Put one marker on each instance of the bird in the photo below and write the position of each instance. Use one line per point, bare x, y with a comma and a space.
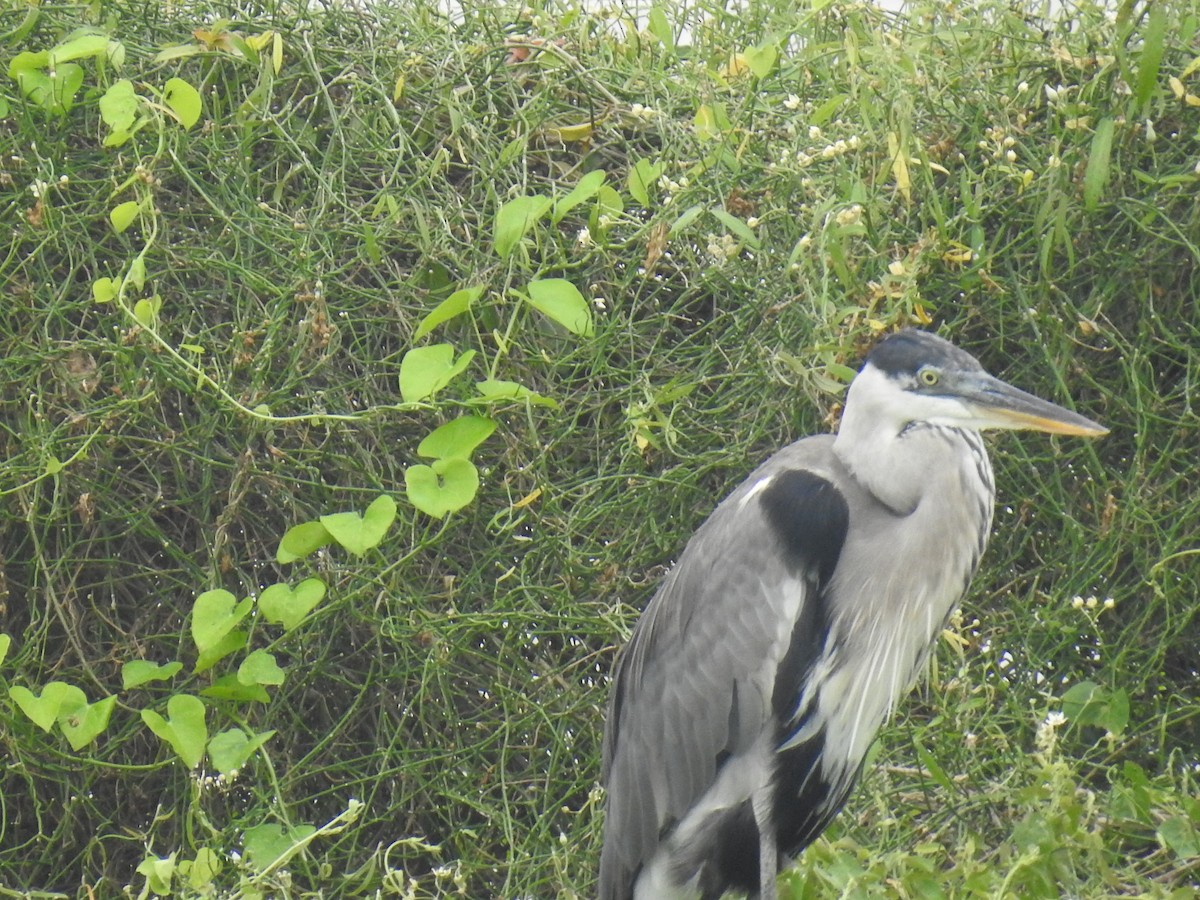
798, 614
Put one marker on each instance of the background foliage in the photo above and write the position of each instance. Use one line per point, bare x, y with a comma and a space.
228, 230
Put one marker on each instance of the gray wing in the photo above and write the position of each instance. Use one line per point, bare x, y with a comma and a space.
699, 682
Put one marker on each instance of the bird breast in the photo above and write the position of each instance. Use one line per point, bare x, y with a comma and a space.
898, 579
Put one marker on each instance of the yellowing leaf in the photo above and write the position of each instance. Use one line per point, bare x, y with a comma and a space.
529, 498
736, 67
958, 254
569, 133
260, 41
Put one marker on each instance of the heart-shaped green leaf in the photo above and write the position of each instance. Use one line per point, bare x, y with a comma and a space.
426, 370
444, 487
183, 100
227, 687
269, 844
761, 60
457, 438
104, 290
119, 105
302, 540
558, 299
85, 724
58, 699
184, 727
514, 219
287, 606
229, 750
260, 668
137, 672
358, 534
214, 615
454, 305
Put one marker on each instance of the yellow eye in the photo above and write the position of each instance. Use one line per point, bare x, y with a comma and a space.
929, 377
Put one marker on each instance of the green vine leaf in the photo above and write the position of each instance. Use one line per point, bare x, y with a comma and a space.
445, 486
183, 729
229, 750
454, 305
459, 437
358, 534
137, 672
183, 100
284, 605
426, 370
561, 301
301, 540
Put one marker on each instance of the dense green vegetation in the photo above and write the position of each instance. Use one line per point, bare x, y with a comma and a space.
644, 259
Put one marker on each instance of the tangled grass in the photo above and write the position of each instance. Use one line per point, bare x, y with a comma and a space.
806, 181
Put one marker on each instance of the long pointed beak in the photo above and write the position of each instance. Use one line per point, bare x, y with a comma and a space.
1000, 405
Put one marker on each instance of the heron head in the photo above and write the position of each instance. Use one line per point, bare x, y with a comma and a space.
915, 376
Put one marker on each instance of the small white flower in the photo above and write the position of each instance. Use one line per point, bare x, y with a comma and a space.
1010, 155
1151, 136
1022, 87
814, 133
752, 222
792, 102
584, 237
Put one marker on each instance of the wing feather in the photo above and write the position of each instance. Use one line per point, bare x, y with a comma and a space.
697, 685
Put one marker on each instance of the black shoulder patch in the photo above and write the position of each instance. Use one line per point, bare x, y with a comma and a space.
810, 517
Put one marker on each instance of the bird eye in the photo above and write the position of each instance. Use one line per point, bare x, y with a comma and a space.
929, 377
